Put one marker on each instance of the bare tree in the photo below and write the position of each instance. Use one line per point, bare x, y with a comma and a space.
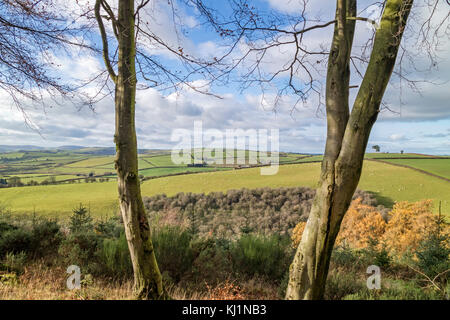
347, 130
30, 32
134, 42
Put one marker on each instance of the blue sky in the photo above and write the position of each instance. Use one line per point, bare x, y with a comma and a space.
420, 122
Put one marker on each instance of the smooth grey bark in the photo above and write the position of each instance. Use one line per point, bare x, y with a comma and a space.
147, 277
347, 136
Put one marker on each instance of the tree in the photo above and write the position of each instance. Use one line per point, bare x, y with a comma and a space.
81, 220
347, 138
376, 148
30, 31
147, 277
134, 40
347, 130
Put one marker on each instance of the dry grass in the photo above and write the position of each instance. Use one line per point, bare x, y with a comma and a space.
39, 282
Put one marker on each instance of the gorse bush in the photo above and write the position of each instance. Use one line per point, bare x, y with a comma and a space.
409, 223
38, 238
341, 284
45, 236
173, 251
115, 257
15, 240
259, 255
212, 261
80, 249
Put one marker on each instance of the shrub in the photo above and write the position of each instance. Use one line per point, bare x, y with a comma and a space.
265, 256
297, 233
45, 236
433, 254
115, 256
397, 290
377, 254
5, 227
173, 251
15, 262
360, 224
211, 260
109, 228
341, 284
15, 240
80, 249
409, 223
81, 220
346, 257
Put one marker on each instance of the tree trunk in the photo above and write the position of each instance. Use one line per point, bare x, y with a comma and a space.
147, 277
347, 138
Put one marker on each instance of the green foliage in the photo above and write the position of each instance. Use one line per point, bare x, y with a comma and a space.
15, 262
211, 260
15, 240
8, 279
115, 256
340, 284
45, 236
259, 255
80, 249
344, 256
5, 227
173, 251
397, 290
109, 228
377, 255
434, 254
37, 239
81, 220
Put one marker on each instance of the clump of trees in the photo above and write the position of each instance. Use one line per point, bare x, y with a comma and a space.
234, 213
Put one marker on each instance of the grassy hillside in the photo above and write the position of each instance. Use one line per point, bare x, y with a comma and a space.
388, 183
440, 167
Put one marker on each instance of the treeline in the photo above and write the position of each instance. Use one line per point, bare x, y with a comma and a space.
13, 182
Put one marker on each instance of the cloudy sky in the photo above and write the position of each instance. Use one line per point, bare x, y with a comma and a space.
414, 122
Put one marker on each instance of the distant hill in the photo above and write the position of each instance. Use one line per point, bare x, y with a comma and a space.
69, 147
100, 151
5, 148
108, 151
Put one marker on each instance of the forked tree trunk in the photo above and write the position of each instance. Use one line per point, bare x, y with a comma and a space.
147, 277
347, 137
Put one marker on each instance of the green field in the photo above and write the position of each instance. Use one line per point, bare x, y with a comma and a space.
77, 164
440, 167
388, 183
92, 162
395, 155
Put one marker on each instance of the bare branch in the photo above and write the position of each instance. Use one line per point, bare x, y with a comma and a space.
103, 34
